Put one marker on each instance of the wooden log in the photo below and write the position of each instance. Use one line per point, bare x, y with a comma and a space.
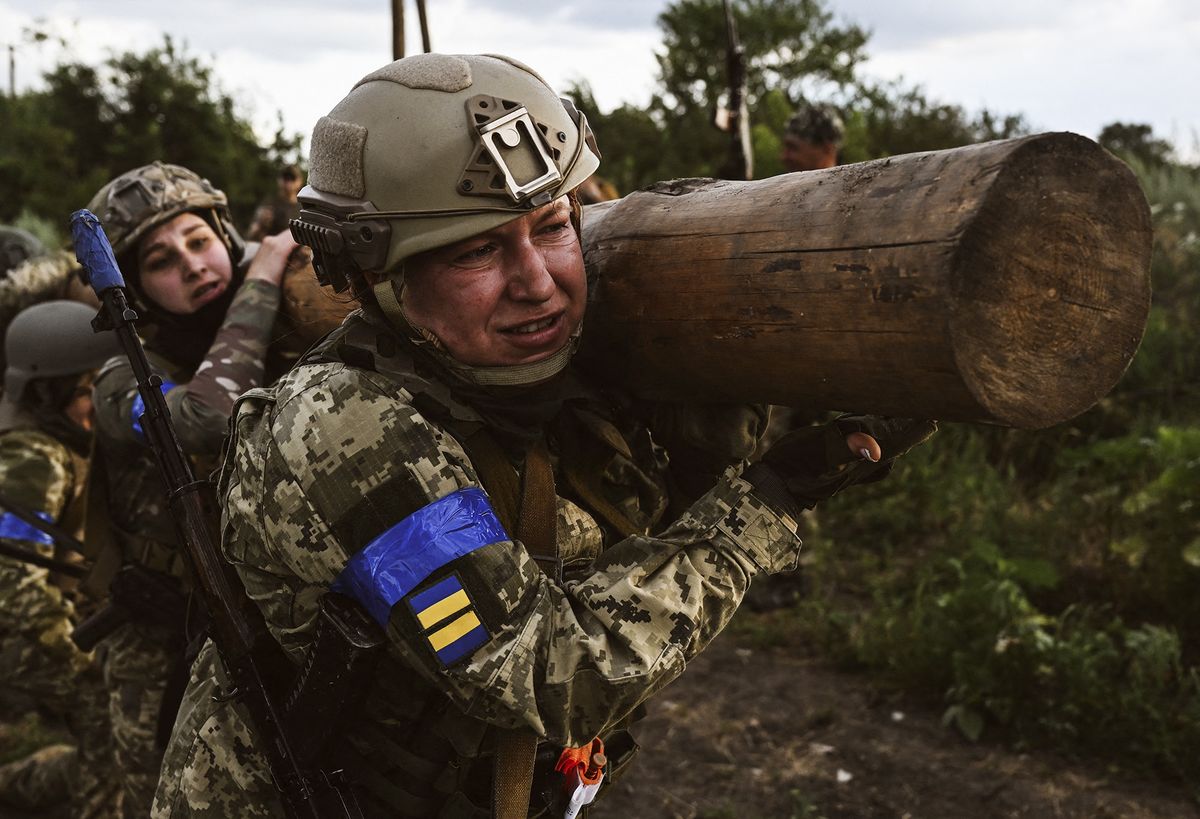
1006, 282
307, 311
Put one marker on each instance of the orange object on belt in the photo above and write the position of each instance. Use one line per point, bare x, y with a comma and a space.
586, 761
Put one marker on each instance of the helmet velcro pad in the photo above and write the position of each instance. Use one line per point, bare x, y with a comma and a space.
336, 163
431, 72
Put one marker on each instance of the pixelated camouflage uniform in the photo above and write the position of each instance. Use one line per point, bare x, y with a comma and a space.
140, 656
37, 656
338, 454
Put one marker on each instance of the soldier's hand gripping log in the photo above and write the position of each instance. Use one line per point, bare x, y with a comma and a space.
261, 674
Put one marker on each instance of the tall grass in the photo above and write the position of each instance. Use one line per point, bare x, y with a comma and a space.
1044, 586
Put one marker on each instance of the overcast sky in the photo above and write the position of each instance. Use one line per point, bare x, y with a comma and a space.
1066, 64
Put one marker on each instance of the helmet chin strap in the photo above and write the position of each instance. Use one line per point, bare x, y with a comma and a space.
389, 296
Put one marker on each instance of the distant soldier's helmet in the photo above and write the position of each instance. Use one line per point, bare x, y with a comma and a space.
52, 339
433, 149
140, 200
16, 246
817, 124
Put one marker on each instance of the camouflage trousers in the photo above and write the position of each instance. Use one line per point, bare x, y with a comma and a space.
137, 665
212, 769
39, 661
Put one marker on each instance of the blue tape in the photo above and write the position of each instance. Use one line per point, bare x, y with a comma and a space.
139, 409
396, 562
13, 528
94, 252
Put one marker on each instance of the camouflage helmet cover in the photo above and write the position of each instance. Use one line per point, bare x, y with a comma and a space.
51, 339
817, 123
16, 246
141, 199
433, 149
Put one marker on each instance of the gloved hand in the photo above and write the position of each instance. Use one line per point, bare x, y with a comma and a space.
816, 463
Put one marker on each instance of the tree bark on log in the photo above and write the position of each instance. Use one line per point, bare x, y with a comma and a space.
1005, 282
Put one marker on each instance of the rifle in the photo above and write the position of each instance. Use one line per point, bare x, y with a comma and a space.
739, 163
292, 713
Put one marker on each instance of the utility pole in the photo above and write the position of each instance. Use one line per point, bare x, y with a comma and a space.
398, 28
12, 71
424, 26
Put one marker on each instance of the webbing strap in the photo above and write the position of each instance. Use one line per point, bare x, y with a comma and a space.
535, 514
497, 475
536, 526
512, 779
97, 528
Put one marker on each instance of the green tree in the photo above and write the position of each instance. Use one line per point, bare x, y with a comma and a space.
887, 119
1138, 141
91, 123
795, 50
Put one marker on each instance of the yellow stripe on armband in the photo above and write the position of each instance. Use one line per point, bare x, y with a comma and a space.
445, 636
443, 608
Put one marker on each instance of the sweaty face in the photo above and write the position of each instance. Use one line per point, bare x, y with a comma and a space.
511, 295
183, 265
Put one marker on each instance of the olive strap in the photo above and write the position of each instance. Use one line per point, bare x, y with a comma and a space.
536, 527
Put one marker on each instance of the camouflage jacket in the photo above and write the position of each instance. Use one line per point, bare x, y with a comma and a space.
43, 475
200, 404
350, 474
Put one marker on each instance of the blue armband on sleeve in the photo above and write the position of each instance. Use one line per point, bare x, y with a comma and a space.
399, 559
13, 528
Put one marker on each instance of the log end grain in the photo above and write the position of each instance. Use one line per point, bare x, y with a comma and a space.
1052, 286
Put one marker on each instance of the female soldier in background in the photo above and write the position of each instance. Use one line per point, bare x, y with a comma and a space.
46, 424
207, 304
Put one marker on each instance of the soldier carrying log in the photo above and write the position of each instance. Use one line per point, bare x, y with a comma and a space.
441, 460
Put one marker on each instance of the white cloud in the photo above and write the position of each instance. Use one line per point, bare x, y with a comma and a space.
300, 58
1069, 64
1077, 67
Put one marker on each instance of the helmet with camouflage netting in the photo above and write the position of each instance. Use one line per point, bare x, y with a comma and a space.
16, 246
433, 149
52, 339
137, 201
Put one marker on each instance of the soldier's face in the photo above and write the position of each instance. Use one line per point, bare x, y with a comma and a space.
801, 155
512, 295
183, 265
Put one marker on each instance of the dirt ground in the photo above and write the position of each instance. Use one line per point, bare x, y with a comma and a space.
755, 733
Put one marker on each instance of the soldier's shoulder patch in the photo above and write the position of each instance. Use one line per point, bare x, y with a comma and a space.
448, 620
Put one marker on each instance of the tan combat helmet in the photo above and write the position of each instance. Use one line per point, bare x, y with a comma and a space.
139, 200
430, 150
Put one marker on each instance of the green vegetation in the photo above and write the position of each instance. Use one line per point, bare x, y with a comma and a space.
794, 51
91, 123
1042, 585
1039, 585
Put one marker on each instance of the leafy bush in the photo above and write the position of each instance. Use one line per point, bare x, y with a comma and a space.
1042, 586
